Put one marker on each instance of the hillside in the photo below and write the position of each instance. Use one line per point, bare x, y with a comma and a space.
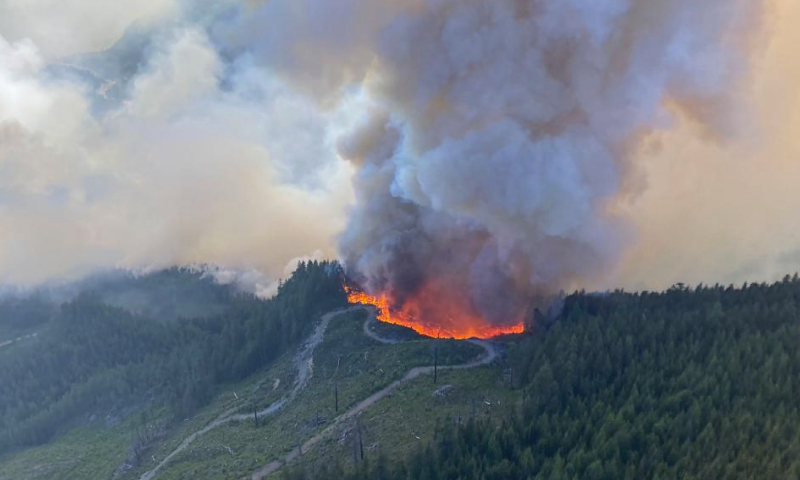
94, 356
687, 383
148, 411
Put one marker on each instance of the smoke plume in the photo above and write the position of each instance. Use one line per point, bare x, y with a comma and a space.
500, 134
497, 149
156, 151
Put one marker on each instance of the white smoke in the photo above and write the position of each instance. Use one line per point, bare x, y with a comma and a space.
507, 129
494, 141
68, 27
192, 163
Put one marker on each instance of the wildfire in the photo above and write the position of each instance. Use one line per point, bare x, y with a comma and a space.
438, 308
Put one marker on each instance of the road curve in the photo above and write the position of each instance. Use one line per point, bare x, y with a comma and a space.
487, 358
371, 334
6, 343
304, 361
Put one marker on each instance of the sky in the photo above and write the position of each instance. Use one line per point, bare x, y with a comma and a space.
727, 212
146, 134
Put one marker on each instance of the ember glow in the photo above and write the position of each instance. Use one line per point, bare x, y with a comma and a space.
434, 313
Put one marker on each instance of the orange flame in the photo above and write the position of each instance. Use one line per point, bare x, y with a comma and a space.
438, 305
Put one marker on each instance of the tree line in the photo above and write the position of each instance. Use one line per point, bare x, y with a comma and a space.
93, 356
690, 383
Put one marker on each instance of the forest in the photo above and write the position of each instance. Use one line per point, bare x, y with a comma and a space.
690, 383
97, 350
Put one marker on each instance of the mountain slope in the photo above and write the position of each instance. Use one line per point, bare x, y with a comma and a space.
689, 383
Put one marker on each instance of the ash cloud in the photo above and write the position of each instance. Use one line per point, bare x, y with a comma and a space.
494, 147
501, 134
156, 149
517, 122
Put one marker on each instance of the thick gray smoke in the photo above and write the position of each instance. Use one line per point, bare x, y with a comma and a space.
501, 133
493, 142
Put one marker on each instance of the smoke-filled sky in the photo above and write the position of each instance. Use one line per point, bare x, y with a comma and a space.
631, 143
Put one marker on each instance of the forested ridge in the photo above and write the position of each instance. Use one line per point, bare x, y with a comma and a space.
93, 355
691, 383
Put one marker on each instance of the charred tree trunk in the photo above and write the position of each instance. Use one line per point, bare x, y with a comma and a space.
355, 450
255, 413
336, 385
436, 363
360, 439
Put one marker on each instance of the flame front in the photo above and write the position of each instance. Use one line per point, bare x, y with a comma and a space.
445, 320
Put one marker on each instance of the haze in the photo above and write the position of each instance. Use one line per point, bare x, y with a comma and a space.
165, 151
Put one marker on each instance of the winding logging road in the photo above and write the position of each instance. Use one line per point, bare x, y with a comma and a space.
18, 339
304, 362
487, 358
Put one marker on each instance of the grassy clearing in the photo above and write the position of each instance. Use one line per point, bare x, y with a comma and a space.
92, 451
265, 387
409, 415
393, 332
358, 365
346, 359
95, 450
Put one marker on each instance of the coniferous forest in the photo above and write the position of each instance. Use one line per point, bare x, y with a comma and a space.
691, 383
98, 349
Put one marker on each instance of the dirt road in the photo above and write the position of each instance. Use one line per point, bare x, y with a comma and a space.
371, 320
18, 339
304, 362
487, 358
